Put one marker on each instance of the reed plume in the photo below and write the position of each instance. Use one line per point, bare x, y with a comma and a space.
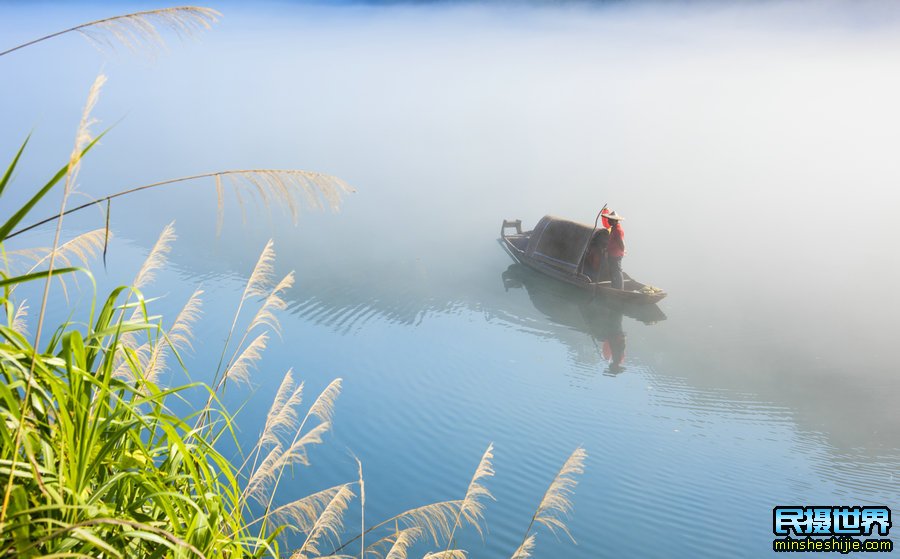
401, 542
556, 503
136, 357
525, 549
141, 29
282, 416
394, 545
273, 302
19, 321
261, 276
297, 453
301, 515
435, 519
263, 482
257, 485
138, 29
472, 509
132, 358
83, 137
81, 249
290, 188
78, 250
323, 407
181, 333
265, 315
446, 554
328, 525
177, 339
240, 370
157, 257
441, 520
256, 285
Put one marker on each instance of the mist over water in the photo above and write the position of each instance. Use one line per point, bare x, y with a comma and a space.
752, 149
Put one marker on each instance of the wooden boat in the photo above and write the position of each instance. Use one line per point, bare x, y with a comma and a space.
557, 247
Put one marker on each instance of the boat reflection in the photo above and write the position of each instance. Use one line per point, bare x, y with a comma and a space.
574, 309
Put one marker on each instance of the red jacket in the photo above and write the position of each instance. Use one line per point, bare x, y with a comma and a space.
616, 244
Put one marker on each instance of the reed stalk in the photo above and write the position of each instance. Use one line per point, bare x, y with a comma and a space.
291, 179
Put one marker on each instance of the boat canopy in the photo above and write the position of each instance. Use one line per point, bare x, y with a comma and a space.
559, 242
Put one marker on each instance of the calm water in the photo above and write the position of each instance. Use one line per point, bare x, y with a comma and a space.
752, 150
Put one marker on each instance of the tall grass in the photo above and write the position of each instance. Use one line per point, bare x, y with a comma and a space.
94, 459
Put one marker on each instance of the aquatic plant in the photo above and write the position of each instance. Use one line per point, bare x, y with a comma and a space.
556, 503
94, 458
138, 31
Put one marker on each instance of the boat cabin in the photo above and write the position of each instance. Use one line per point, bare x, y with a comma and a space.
563, 244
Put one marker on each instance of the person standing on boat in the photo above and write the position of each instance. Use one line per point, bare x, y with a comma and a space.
615, 249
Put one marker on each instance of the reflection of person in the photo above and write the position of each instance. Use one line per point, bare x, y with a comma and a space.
614, 345
614, 352
615, 249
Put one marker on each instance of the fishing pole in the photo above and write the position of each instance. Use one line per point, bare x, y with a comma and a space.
596, 221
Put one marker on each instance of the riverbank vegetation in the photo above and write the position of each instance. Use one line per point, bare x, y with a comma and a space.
94, 459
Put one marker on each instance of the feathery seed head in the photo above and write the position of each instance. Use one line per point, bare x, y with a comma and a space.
446, 554
301, 515
261, 277
329, 524
556, 504
141, 30
156, 259
240, 370
524, 551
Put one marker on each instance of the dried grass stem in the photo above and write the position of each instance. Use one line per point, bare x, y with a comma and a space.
331, 187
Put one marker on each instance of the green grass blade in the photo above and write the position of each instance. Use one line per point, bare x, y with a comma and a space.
7, 227
23, 211
8, 174
38, 275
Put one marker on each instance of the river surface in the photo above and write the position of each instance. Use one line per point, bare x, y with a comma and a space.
752, 150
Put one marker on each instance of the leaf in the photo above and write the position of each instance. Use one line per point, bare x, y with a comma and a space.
12, 166
38, 275
23, 211
96, 541
20, 529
